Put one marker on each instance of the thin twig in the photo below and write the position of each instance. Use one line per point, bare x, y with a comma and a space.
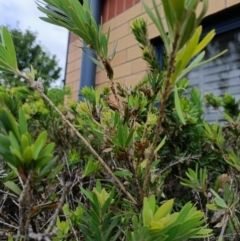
119, 102
235, 222
43, 236
25, 205
110, 74
9, 225
59, 207
73, 230
146, 125
6, 218
9, 194
133, 169
223, 227
182, 159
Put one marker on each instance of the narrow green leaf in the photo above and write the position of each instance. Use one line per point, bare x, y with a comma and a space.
49, 20
39, 143
13, 187
205, 41
56, 18
94, 43
22, 122
116, 119
178, 7
79, 21
48, 168
114, 51
188, 52
130, 138
183, 214
112, 229
170, 16
160, 145
47, 150
191, 224
147, 216
28, 155
158, 23
5, 56
97, 133
193, 174
187, 29
91, 167
120, 135
125, 135
107, 203
24, 142
197, 59
213, 207
4, 141
152, 203
163, 210
103, 44
178, 69
88, 194
203, 12
14, 141
124, 173
42, 161
108, 33
190, 68
99, 64
218, 200
7, 41
178, 107
5, 67
228, 118
9, 123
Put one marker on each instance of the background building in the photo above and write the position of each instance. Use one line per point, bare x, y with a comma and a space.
219, 77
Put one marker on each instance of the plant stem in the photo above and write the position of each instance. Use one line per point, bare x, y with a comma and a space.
60, 205
135, 177
146, 126
87, 144
25, 205
165, 96
114, 91
113, 88
235, 223
223, 228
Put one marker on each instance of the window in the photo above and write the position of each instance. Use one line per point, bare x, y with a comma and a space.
223, 74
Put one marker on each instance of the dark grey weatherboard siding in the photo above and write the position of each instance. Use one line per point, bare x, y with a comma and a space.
222, 75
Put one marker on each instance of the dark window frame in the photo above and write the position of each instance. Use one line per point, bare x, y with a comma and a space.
223, 21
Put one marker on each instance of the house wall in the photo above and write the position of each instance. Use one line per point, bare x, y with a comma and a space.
128, 66
74, 60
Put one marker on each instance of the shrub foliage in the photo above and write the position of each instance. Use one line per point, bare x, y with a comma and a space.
129, 163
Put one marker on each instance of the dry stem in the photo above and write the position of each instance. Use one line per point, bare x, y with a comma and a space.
234, 222
114, 90
25, 205
60, 205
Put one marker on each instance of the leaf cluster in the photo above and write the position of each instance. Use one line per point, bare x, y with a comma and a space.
141, 141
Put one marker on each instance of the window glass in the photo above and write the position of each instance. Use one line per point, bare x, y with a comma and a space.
221, 75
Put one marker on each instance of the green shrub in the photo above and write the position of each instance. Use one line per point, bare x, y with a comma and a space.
110, 170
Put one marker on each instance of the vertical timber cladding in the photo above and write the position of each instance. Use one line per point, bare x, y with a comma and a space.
128, 66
